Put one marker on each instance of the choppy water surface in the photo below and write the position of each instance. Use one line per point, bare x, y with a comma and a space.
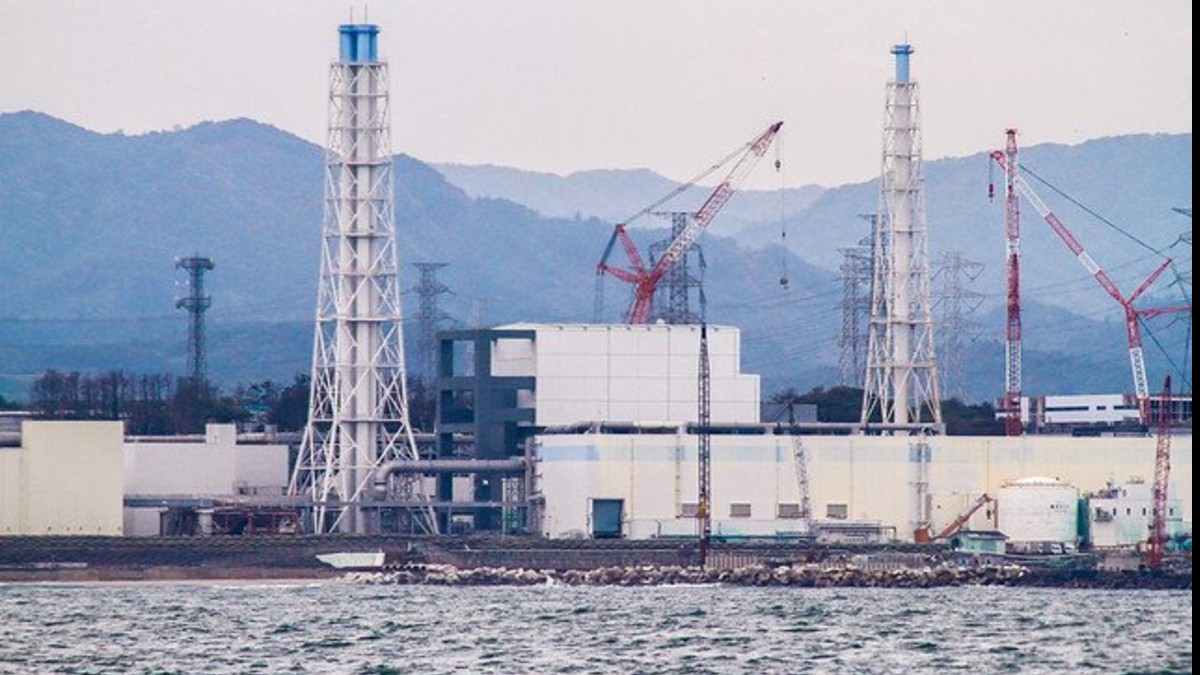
361, 630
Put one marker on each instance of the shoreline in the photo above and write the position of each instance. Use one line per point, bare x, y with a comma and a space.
165, 574
795, 576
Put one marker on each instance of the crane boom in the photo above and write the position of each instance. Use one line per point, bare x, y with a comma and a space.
1162, 470
645, 281
1133, 315
1012, 331
963, 517
717, 200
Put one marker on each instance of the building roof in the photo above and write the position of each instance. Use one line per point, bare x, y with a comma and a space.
981, 534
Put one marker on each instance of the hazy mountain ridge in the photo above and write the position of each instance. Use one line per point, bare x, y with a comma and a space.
91, 225
1133, 181
616, 194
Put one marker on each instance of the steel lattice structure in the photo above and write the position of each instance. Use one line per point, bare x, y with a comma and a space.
855, 307
429, 317
679, 281
954, 304
1134, 315
704, 450
358, 409
1012, 276
196, 303
901, 378
645, 280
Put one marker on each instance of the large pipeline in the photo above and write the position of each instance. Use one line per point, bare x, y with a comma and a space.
515, 465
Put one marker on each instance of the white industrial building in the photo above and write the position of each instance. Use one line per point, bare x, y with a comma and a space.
84, 478
64, 478
652, 478
626, 373
1119, 515
170, 472
1073, 411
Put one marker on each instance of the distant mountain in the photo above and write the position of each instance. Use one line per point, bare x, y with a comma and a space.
1132, 181
616, 194
91, 225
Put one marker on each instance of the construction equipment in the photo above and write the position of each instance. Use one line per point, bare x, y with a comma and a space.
1012, 251
1133, 315
957, 524
801, 455
704, 440
645, 280
1162, 470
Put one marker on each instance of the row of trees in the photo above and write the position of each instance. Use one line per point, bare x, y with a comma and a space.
844, 404
160, 403
165, 404
157, 403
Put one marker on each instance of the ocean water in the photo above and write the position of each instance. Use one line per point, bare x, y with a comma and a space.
330, 627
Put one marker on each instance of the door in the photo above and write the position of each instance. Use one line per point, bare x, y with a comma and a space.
606, 518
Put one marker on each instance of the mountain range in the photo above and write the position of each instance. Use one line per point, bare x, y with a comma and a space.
1131, 181
91, 225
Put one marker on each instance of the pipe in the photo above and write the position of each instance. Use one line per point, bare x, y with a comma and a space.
515, 465
727, 427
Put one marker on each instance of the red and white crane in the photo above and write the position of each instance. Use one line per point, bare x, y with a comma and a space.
645, 280
1012, 327
962, 518
1133, 314
1162, 470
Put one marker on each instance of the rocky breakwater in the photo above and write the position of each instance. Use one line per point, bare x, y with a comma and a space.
802, 576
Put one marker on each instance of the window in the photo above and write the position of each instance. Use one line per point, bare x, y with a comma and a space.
788, 510
739, 510
689, 510
837, 511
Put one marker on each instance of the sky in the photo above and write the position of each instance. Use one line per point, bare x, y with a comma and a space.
567, 85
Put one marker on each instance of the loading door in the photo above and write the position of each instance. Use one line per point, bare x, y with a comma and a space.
606, 518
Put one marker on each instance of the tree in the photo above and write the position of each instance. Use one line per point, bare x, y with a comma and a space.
6, 404
289, 409
970, 420
422, 404
839, 404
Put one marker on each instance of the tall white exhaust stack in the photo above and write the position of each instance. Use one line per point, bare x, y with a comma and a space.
901, 385
358, 409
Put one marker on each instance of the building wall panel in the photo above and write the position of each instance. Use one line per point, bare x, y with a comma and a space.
871, 476
10, 491
72, 478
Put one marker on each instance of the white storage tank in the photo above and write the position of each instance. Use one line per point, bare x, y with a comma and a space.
1038, 509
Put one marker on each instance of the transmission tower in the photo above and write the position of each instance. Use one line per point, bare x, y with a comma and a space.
855, 307
673, 299
429, 316
954, 306
901, 378
196, 303
358, 409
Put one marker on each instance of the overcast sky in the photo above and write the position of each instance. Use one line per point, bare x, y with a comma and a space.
560, 86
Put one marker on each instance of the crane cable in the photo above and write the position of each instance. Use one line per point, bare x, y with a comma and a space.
1026, 170
688, 185
1158, 252
783, 250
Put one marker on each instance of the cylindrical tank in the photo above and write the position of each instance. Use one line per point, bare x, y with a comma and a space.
1038, 509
